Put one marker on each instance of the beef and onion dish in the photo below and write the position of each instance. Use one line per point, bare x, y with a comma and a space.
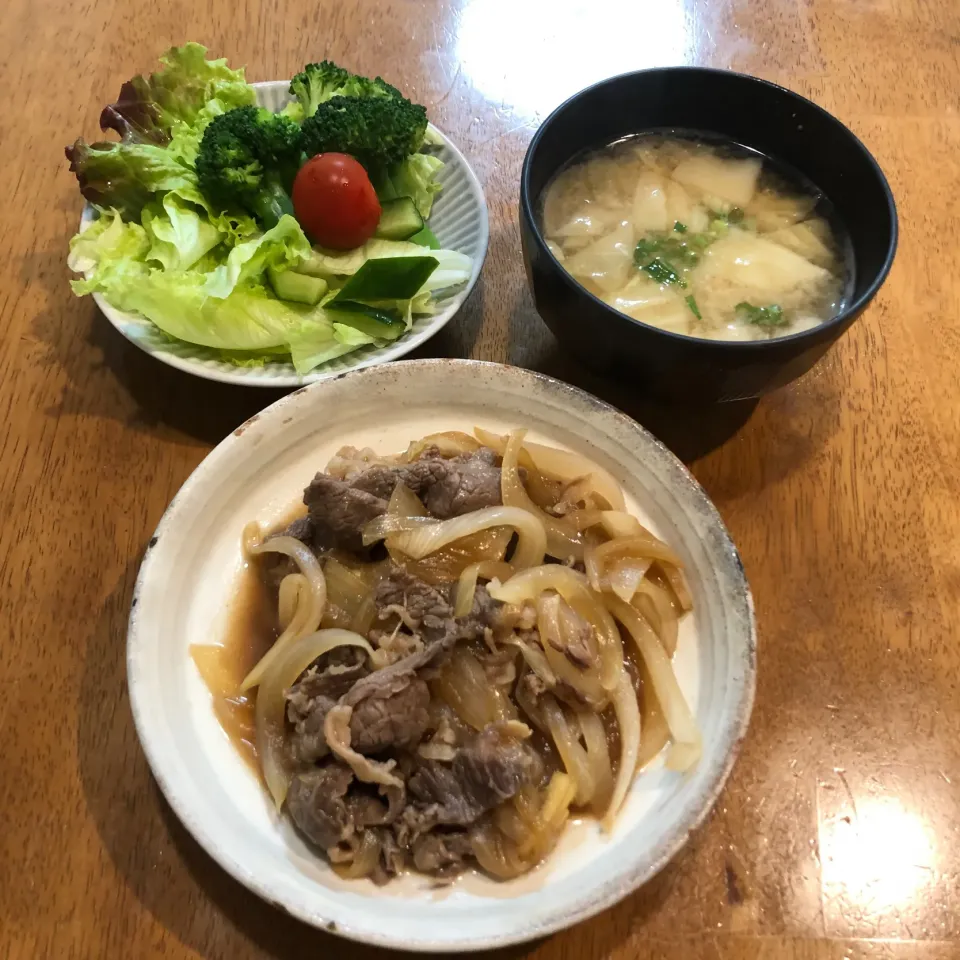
452, 651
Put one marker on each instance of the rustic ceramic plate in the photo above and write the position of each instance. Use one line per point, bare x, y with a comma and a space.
186, 583
459, 220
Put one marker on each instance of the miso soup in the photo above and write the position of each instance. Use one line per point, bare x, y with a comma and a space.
698, 237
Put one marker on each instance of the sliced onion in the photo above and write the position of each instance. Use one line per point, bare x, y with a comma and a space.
572, 626
528, 705
579, 490
363, 618
655, 733
450, 443
529, 552
574, 757
364, 860
595, 575
652, 601
292, 587
678, 584
535, 660
372, 573
344, 851
584, 682
598, 754
344, 588
628, 720
583, 519
311, 598
572, 586
463, 685
528, 584
562, 465
512, 825
563, 542
543, 492
382, 527
467, 584
535, 819
449, 562
546, 820
348, 461
625, 576
272, 703
516, 729
618, 523
560, 793
466, 590
683, 726
644, 547
528, 803
405, 503
497, 854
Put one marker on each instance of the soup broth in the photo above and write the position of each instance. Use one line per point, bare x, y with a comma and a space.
696, 237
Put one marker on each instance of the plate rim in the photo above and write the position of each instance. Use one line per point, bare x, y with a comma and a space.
601, 897
249, 376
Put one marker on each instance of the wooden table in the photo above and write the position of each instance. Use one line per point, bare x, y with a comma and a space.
838, 835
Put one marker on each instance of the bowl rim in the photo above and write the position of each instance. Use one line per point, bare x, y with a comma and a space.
599, 898
254, 376
845, 316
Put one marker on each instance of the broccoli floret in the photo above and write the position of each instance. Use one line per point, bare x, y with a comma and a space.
378, 131
248, 158
319, 82
346, 113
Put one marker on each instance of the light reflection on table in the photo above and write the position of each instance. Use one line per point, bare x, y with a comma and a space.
879, 857
499, 44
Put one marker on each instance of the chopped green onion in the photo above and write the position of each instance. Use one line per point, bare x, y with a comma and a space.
680, 227
769, 317
691, 302
662, 272
645, 249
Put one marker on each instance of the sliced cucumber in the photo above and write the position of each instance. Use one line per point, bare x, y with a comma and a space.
388, 278
368, 320
426, 238
399, 219
297, 287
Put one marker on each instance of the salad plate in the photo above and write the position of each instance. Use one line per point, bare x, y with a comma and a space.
458, 219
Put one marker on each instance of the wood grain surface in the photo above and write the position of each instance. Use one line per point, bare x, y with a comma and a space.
838, 835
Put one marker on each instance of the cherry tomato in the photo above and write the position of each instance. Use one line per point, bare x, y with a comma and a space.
335, 202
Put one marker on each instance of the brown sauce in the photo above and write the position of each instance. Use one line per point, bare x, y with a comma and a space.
250, 632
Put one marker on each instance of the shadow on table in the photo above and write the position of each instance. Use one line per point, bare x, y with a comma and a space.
159, 398
690, 431
77, 337
163, 396
171, 875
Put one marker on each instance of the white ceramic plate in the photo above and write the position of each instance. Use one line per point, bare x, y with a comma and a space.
186, 582
459, 220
